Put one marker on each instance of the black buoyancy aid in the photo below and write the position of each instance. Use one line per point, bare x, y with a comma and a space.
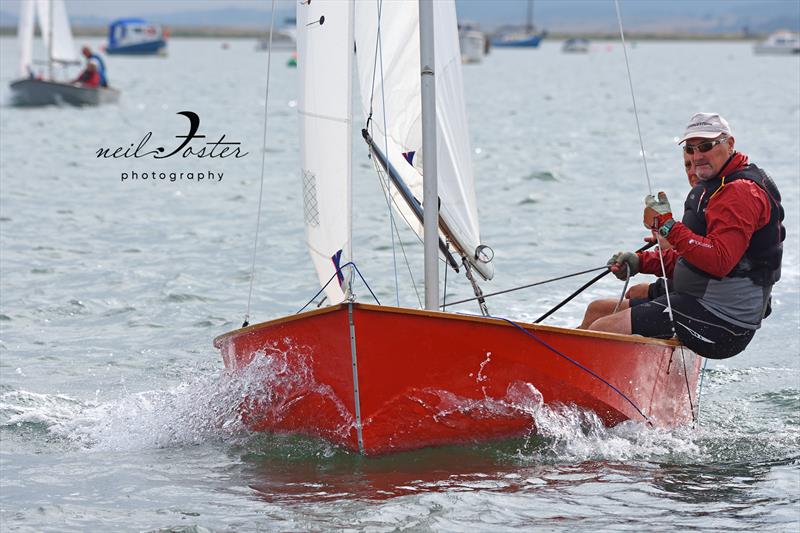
762, 259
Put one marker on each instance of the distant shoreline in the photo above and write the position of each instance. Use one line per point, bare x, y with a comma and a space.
252, 33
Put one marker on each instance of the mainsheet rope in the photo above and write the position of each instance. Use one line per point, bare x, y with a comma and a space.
263, 166
650, 190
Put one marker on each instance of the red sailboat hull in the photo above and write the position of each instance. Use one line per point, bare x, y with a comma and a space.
379, 379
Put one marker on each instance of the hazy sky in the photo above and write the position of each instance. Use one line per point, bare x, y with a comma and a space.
548, 13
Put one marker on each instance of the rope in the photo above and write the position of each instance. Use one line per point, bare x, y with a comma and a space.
700, 392
392, 224
688, 388
576, 363
644, 156
529, 285
650, 189
383, 181
263, 165
633, 97
624, 288
333, 277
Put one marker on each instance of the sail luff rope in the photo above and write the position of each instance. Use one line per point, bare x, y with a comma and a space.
263, 166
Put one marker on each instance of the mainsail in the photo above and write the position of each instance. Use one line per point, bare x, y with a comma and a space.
63, 46
27, 20
324, 57
390, 92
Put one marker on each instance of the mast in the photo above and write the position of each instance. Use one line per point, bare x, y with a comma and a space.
430, 199
529, 26
50, 41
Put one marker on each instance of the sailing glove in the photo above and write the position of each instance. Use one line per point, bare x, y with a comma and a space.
625, 262
656, 211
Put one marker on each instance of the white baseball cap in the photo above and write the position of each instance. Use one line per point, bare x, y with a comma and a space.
706, 126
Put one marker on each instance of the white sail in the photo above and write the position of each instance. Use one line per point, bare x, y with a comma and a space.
397, 72
27, 19
325, 61
63, 46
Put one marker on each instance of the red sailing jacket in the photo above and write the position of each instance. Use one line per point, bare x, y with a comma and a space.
736, 211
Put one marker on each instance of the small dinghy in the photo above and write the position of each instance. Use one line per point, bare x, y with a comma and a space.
377, 379
33, 90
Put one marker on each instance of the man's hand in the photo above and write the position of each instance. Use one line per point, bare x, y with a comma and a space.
624, 264
656, 211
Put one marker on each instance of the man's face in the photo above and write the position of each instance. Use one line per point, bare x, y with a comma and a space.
708, 164
688, 164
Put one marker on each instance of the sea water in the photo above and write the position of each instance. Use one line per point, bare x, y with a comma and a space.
116, 413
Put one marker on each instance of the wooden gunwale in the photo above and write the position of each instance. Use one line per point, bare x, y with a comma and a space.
450, 316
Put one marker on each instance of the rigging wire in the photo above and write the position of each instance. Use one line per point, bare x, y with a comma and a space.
393, 225
383, 181
624, 290
263, 166
644, 158
604, 267
650, 190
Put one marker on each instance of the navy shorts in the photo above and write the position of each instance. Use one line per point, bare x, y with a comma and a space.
697, 328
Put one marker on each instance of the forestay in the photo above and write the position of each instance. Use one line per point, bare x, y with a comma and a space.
390, 90
325, 52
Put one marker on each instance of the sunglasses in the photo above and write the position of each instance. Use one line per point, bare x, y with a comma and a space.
703, 147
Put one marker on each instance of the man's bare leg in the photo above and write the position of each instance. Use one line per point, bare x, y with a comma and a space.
600, 308
619, 322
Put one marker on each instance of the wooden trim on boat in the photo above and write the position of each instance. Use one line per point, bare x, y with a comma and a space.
538, 327
290, 318
451, 316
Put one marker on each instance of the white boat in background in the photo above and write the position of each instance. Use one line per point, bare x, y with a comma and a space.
34, 89
576, 45
284, 38
472, 42
779, 43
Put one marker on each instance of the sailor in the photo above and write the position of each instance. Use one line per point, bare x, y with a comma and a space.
99, 64
90, 77
723, 258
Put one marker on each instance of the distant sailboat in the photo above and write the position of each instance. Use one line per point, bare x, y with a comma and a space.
576, 45
526, 37
136, 37
472, 42
33, 90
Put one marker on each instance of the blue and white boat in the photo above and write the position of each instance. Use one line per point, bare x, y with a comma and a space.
515, 37
136, 37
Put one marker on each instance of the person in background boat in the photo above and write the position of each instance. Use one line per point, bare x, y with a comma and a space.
100, 65
724, 256
90, 77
